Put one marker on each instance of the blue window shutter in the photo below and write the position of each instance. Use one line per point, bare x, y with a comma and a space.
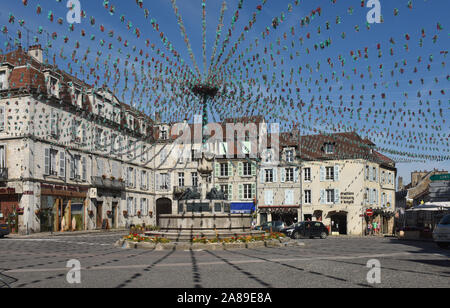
336, 173
337, 195
322, 196
322, 173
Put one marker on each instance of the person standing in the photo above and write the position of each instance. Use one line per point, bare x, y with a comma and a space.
369, 228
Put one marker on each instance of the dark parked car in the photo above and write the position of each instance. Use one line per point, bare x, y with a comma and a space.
4, 230
272, 226
308, 229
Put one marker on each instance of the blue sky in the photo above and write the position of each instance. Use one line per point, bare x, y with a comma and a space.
351, 102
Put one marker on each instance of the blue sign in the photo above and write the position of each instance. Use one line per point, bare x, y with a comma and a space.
242, 208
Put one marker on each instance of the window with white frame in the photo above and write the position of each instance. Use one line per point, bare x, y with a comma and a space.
289, 174
247, 169
268, 175
3, 80
194, 176
181, 179
62, 164
130, 206
224, 169
2, 156
329, 148
224, 189
164, 134
144, 179
329, 175
50, 162
289, 156
307, 172
144, 206
330, 195
307, 196
164, 181
53, 85
247, 191
131, 180
75, 167
2, 118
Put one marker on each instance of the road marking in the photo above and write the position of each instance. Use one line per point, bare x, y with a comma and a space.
247, 261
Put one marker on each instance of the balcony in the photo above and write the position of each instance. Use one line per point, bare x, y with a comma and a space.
3, 174
107, 183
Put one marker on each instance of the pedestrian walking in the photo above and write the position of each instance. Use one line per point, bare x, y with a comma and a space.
369, 229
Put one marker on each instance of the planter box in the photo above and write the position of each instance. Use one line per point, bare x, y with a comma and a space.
234, 246
199, 246
167, 246
144, 245
255, 245
273, 243
216, 246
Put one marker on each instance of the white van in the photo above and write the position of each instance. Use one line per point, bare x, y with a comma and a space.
441, 234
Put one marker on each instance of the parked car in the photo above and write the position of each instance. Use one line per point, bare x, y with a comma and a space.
441, 233
272, 226
4, 230
308, 229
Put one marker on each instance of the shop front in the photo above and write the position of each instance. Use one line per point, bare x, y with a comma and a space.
286, 214
63, 208
9, 208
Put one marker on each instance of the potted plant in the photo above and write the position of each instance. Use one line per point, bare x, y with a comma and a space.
151, 214
37, 212
112, 178
125, 213
108, 213
91, 213
139, 214
104, 177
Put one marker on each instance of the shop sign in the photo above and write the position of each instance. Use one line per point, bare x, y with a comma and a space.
347, 197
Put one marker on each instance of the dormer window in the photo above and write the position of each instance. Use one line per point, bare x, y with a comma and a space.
130, 122
329, 148
290, 156
164, 135
53, 86
3, 81
100, 109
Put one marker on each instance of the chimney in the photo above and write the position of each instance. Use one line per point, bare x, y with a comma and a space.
157, 117
400, 183
36, 53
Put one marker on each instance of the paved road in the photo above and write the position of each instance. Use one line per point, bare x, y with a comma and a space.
334, 262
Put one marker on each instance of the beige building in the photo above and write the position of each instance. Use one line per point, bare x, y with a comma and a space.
72, 157
76, 158
342, 177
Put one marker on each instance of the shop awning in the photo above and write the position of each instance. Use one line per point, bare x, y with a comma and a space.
242, 207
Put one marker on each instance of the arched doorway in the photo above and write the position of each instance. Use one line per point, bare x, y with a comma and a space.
163, 206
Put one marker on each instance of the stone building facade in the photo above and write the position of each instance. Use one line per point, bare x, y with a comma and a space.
76, 158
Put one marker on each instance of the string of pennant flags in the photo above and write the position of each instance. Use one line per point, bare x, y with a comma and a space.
289, 72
